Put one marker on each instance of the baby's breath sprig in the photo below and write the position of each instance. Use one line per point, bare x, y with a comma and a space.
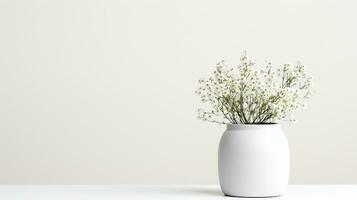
246, 95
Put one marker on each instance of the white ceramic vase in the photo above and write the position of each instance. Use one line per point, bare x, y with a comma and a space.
253, 161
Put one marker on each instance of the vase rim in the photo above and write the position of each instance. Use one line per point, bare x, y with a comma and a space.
252, 126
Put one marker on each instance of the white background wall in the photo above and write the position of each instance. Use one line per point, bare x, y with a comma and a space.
102, 92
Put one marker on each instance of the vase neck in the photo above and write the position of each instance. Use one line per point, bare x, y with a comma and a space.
251, 126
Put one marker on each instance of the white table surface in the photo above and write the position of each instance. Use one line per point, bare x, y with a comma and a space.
111, 192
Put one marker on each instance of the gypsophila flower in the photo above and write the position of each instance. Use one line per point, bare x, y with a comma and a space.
249, 95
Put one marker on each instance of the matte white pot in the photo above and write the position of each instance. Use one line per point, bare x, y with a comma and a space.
253, 160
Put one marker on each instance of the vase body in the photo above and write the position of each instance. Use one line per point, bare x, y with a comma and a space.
253, 161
